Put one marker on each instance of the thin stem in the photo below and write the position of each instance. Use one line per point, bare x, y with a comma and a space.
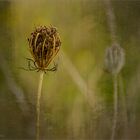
124, 106
78, 80
111, 19
38, 105
115, 107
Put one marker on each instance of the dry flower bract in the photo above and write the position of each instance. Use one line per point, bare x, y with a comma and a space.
114, 58
44, 44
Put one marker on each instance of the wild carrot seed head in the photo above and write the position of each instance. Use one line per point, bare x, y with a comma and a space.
44, 44
114, 59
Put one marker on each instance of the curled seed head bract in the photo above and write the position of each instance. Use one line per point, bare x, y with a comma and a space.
114, 59
44, 44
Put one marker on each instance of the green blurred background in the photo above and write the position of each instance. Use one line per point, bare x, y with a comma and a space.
77, 100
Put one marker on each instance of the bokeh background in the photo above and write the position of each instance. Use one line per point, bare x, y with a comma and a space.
77, 100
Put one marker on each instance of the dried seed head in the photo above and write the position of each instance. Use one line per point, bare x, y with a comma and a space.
44, 44
114, 59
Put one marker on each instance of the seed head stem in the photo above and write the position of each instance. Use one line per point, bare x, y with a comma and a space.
115, 82
111, 19
38, 105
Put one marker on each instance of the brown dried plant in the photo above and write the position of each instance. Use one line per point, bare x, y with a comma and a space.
44, 44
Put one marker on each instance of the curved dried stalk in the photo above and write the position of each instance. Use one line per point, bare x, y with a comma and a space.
78, 80
15, 89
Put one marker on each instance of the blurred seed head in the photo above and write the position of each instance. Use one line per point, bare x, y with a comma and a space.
114, 59
44, 44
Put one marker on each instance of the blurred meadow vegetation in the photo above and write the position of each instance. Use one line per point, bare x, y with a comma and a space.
77, 100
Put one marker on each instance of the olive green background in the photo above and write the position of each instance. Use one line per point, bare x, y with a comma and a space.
77, 100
